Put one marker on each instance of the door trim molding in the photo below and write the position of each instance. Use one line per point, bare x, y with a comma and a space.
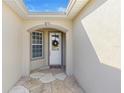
49, 49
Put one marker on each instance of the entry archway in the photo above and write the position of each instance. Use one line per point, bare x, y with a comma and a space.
49, 25
68, 44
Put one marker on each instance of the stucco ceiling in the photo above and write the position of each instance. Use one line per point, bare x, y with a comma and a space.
72, 10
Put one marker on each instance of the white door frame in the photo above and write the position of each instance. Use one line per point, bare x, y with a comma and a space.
60, 58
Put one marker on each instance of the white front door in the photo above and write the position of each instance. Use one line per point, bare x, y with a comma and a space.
55, 48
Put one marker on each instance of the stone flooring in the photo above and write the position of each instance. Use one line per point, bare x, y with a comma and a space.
68, 85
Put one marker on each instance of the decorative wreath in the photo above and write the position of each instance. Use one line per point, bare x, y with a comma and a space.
55, 43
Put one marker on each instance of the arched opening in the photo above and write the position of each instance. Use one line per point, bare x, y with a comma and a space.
48, 25
67, 48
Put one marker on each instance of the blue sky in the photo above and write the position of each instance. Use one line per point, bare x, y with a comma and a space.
46, 5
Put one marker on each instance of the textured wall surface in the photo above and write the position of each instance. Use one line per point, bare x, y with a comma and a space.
96, 49
12, 48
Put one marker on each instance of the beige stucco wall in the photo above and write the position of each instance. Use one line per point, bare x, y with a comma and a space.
12, 48
96, 49
60, 21
103, 29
